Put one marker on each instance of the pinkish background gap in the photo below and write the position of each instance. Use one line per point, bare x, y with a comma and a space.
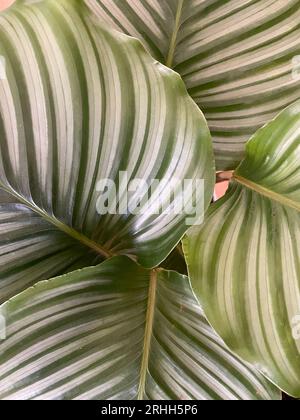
5, 3
221, 189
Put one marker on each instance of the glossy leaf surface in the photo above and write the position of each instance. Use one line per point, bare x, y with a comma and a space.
239, 59
117, 331
78, 105
244, 261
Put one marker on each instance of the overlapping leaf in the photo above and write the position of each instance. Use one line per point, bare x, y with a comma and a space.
245, 260
79, 104
117, 331
237, 58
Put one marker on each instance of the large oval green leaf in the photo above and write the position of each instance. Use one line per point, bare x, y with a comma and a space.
117, 331
236, 57
79, 104
244, 261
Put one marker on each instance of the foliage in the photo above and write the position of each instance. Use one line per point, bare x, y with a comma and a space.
98, 306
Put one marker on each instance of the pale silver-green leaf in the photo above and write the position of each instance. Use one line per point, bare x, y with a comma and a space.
78, 104
244, 261
238, 58
117, 331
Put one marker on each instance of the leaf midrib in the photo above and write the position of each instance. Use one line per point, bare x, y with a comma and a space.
285, 201
173, 41
148, 333
61, 226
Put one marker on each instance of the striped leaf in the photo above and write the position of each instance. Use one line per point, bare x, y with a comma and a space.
117, 331
79, 104
237, 58
244, 261
32, 249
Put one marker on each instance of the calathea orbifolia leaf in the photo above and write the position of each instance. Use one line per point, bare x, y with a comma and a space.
238, 58
244, 261
117, 331
78, 105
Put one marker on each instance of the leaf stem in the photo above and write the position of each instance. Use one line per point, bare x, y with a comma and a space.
223, 176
